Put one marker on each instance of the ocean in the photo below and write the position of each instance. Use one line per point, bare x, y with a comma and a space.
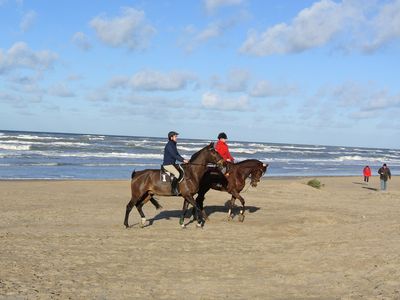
42, 155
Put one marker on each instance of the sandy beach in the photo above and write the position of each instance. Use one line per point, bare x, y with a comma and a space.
65, 239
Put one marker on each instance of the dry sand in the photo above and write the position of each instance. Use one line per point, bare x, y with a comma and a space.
65, 239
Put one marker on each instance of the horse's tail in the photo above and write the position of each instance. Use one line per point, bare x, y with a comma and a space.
133, 174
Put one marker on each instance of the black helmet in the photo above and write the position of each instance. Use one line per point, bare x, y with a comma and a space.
171, 134
222, 135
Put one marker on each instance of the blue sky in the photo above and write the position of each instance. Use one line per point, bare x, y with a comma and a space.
306, 72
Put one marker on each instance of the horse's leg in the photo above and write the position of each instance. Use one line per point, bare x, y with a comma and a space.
129, 207
202, 215
242, 210
142, 216
231, 206
200, 201
156, 204
139, 207
184, 209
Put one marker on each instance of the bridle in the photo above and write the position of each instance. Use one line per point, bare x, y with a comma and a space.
254, 181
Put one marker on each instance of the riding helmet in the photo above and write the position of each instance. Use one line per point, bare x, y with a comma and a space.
171, 134
222, 135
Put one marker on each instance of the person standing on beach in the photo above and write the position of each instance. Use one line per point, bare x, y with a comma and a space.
171, 155
367, 173
385, 174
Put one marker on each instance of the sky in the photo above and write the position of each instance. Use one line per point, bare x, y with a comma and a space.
303, 72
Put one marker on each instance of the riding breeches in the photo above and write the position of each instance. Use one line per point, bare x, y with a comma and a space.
172, 170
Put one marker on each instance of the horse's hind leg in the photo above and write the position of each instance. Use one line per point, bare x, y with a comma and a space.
200, 201
139, 207
201, 214
184, 210
156, 204
142, 216
129, 207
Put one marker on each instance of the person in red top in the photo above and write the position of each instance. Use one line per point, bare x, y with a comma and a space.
222, 147
367, 173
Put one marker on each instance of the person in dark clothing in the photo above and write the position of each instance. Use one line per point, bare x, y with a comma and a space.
385, 174
171, 155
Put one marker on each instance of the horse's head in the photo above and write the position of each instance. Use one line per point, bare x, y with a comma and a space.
215, 156
208, 155
257, 173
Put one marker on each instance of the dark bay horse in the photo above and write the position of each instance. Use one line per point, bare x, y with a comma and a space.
233, 184
146, 183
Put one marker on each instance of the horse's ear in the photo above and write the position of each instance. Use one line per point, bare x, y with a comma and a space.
211, 146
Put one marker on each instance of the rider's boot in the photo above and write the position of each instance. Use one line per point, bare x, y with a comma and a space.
174, 186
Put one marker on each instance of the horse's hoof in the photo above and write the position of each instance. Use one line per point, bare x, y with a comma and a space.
229, 218
241, 218
183, 226
142, 222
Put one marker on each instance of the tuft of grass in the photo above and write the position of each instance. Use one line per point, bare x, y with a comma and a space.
315, 183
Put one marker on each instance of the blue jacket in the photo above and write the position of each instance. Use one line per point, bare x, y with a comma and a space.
171, 154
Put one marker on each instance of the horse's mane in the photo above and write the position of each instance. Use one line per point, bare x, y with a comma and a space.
248, 161
194, 156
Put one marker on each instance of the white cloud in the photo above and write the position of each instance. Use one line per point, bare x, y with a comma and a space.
385, 26
99, 95
128, 30
20, 56
153, 102
216, 102
149, 80
119, 82
28, 20
74, 77
153, 80
81, 41
213, 5
194, 38
350, 101
312, 27
381, 100
61, 90
236, 81
6, 97
265, 88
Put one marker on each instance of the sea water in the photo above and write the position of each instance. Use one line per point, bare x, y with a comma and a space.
41, 155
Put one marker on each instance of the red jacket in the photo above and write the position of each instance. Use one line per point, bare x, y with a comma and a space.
222, 149
367, 171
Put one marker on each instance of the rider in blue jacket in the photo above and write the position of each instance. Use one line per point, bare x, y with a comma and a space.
171, 155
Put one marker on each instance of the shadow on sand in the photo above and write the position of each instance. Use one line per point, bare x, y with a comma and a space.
370, 188
366, 187
176, 214
360, 183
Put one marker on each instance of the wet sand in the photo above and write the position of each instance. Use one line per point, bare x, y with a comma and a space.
65, 239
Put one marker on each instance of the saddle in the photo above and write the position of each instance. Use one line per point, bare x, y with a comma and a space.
166, 176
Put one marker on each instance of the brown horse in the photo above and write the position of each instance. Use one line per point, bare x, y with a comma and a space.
146, 183
233, 184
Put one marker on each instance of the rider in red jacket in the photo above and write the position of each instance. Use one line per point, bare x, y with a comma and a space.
222, 149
